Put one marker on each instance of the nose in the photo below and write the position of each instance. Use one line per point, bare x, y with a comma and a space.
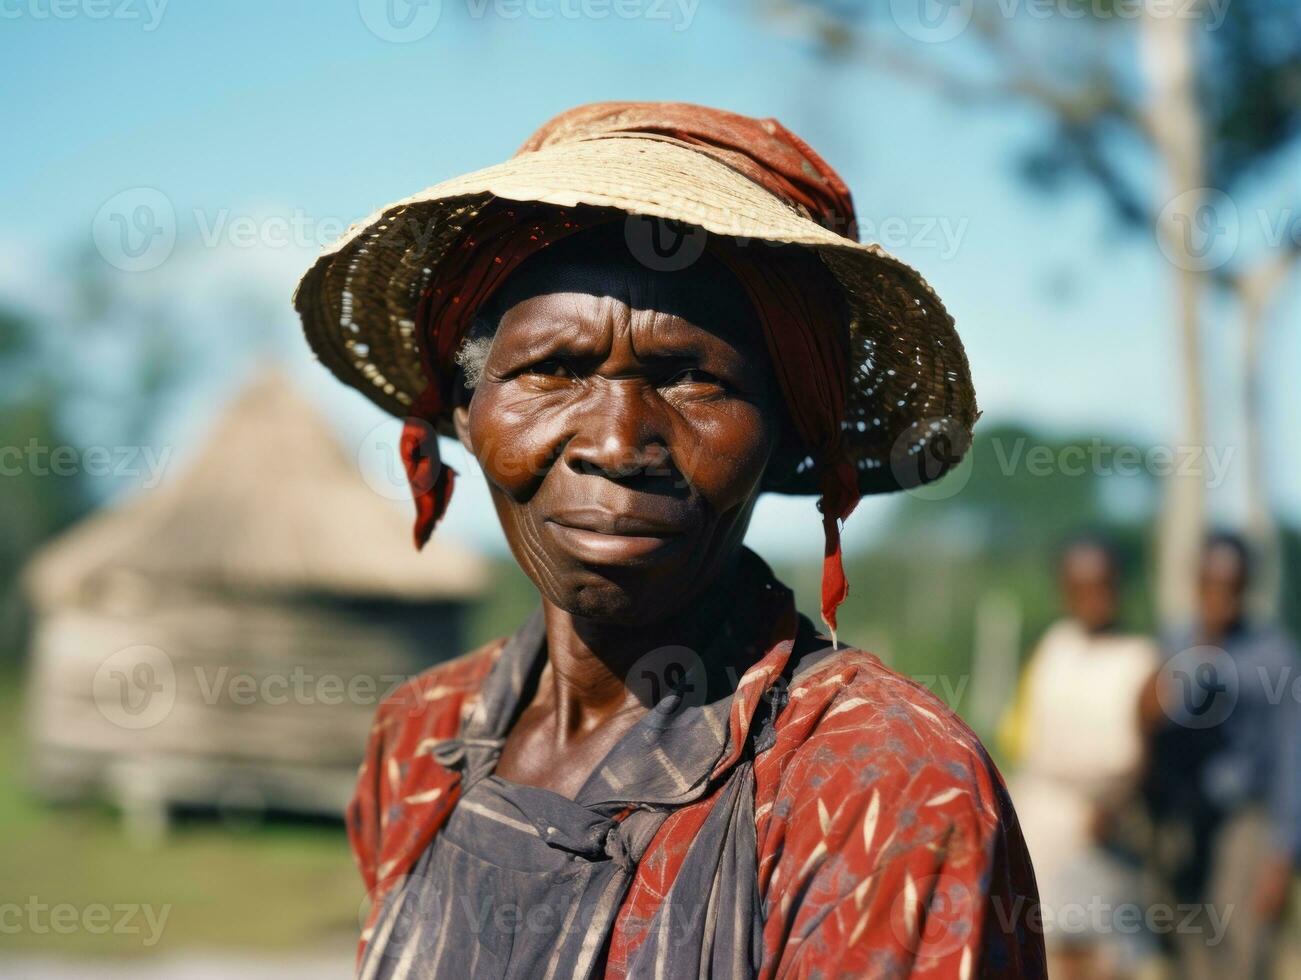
619, 433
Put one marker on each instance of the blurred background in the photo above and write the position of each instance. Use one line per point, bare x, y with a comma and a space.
205, 576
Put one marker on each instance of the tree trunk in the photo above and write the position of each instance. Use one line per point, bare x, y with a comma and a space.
1256, 289
1169, 65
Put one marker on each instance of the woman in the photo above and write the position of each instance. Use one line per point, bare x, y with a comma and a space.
665, 771
1077, 735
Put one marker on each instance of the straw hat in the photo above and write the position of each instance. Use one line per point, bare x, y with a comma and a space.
910, 406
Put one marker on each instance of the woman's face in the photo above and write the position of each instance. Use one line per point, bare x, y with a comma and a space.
1088, 580
624, 420
1221, 590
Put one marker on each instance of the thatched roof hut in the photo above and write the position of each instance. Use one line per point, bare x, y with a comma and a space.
226, 636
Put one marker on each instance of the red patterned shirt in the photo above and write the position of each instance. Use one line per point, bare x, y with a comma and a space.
887, 845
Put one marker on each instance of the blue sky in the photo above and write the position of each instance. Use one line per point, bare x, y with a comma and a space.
296, 110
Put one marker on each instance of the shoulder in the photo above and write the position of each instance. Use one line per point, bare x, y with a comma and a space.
1060, 631
432, 701
874, 739
1140, 653
851, 703
874, 796
1060, 639
1272, 644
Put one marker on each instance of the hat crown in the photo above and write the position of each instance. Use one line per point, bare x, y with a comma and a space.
762, 150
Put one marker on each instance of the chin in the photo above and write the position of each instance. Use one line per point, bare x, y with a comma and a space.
623, 596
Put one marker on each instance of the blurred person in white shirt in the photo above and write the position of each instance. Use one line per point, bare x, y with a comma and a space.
1075, 733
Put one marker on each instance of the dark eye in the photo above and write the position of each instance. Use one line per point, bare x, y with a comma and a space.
551, 368
694, 376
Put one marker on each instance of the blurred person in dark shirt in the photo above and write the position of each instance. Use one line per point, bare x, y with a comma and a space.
1224, 773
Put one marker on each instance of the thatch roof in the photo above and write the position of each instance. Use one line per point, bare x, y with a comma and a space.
271, 503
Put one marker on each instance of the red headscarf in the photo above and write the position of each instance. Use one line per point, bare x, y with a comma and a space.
804, 328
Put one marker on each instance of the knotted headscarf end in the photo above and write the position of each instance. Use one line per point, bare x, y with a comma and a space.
431, 480
839, 497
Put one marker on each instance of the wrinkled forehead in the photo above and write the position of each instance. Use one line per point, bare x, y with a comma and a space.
599, 263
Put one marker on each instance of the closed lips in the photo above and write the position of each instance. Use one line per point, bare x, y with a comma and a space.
604, 522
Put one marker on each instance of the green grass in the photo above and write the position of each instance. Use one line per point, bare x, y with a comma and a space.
264, 887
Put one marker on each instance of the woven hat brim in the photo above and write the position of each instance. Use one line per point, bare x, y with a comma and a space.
910, 382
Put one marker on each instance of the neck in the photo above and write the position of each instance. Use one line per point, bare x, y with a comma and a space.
589, 663
1218, 634
1097, 629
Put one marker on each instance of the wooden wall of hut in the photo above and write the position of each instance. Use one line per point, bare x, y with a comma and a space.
208, 699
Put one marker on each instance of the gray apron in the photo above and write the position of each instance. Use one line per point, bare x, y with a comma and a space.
522, 882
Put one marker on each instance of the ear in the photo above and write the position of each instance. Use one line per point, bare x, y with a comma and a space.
461, 421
